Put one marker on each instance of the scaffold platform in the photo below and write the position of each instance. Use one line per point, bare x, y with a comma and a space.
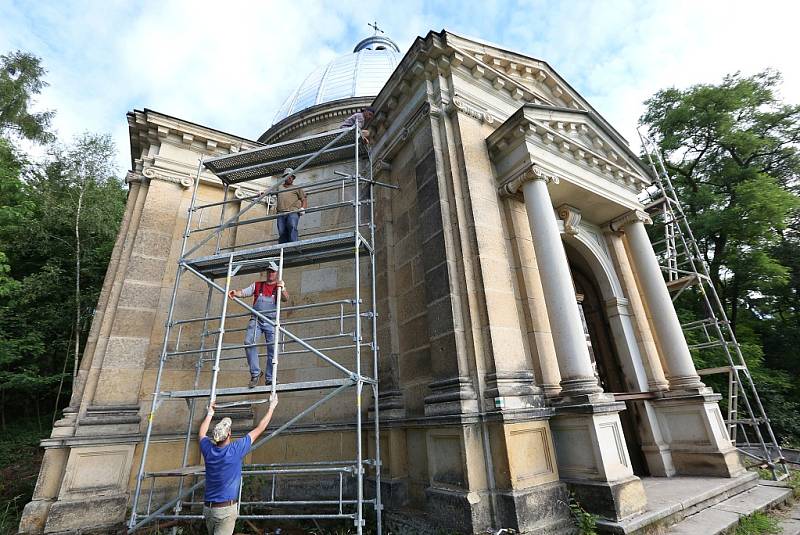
311, 151
295, 254
259, 390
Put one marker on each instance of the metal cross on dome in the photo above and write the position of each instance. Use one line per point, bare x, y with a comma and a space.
374, 26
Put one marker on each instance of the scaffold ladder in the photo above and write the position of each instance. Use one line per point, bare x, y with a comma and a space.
685, 270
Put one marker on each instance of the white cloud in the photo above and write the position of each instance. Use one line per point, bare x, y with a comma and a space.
230, 65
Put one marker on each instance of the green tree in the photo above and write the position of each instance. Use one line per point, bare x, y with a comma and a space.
57, 247
733, 152
21, 79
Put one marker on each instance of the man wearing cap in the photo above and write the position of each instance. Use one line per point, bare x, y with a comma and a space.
291, 205
361, 118
223, 462
264, 294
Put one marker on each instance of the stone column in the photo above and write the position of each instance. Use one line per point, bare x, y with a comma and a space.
666, 326
574, 362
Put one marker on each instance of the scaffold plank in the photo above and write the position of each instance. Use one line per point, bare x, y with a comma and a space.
273, 159
245, 391
298, 253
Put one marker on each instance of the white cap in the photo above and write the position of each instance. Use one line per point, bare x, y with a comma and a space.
287, 172
272, 266
222, 430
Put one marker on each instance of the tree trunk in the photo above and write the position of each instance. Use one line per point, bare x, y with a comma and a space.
734, 303
78, 282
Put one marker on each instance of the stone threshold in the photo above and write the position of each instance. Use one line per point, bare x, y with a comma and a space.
672, 499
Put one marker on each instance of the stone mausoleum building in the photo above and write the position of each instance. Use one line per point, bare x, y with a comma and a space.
528, 344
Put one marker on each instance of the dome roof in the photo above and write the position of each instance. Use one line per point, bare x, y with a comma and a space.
360, 74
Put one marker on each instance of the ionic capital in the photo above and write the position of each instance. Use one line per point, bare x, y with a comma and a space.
182, 180
633, 216
533, 172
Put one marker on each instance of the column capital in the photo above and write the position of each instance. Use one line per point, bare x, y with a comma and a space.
168, 176
631, 217
533, 172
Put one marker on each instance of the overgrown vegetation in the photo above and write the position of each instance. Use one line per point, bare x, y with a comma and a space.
19, 467
758, 523
585, 522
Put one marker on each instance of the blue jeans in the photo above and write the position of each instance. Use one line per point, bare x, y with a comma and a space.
253, 329
287, 227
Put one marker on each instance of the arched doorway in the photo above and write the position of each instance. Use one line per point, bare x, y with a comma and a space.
606, 362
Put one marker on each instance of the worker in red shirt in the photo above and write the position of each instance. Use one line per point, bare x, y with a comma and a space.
264, 294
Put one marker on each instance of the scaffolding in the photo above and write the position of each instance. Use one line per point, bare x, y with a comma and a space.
685, 270
345, 334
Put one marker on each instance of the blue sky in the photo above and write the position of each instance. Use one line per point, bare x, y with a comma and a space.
229, 65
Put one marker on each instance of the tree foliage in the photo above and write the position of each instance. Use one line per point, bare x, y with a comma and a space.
55, 214
21, 79
733, 150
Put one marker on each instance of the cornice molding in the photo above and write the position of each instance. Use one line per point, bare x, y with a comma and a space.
315, 114
433, 56
388, 150
511, 187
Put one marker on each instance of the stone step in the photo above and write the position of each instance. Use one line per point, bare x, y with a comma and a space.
670, 500
725, 515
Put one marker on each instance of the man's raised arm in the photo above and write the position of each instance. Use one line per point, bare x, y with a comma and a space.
262, 425
203, 431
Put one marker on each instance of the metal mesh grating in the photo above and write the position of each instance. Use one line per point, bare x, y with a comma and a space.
273, 159
299, 253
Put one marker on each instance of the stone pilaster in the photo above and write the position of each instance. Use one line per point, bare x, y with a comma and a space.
452, 391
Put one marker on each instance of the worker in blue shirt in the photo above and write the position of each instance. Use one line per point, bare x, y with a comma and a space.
223, 461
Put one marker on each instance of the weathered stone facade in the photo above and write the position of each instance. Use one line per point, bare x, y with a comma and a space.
493, 406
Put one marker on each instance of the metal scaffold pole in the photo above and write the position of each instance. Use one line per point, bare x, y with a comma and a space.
330, 331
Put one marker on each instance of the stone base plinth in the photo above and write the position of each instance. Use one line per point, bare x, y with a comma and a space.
697, 436
611, 500
593, 459
465, 511
97, 515
537, 510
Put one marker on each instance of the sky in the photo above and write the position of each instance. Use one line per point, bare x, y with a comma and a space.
229, 65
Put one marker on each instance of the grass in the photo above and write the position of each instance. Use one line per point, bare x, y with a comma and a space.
758, 523
20, 458
794, 482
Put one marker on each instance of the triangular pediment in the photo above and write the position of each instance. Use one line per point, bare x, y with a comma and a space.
515, 78
578, 135
547, 85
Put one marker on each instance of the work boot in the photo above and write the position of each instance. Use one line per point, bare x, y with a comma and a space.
268, 380
254, 381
